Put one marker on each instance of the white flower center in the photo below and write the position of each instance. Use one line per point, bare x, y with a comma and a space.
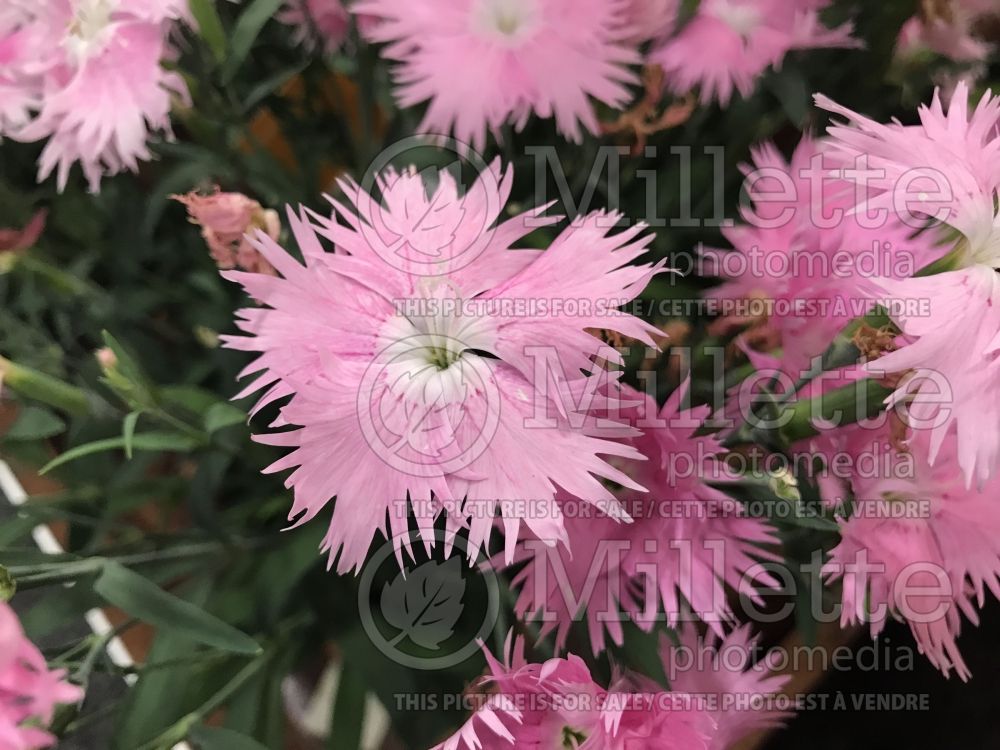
737, 15
86, 34
507, 20
428, 349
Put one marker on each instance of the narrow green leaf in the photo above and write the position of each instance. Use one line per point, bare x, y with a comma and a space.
22, 557
162, 696
141, 598
348, 709
16, 528
222, 415
271, 84
128, 432
245, 33
217, 738
210, 27
145, 441
125, 363
191, 398
35, 423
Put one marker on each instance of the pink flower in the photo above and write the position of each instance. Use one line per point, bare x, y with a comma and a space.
226, 221
689, 540
328, 19
951, 365
558, 704
686, 542
483, 63
468, 395
29, 691
745, 38
14, 240
650, 19
947, 168
921, 546
637, 714
531, 705
585, 575
947, 30
805, 259
722, 672
86, 75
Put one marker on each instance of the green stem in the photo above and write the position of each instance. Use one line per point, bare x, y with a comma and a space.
46, 575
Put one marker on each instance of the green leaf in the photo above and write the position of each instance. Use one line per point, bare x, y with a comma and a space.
210, 26
16, 528
141, 598
163, 695
21, 557
217, 738
221, 415
128, 432
193, 399
245, 33
35, 423
348, 709
145, 441
126, 377
271, 84
792, 91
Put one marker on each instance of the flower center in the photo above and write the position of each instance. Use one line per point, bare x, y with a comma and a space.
740, 17
431, 348
507, 20
86, 31
572, 738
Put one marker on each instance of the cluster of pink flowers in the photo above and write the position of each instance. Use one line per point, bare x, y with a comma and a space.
481, 64
919, 534
422, 383
557, 703
946, 173
29, 691
87, 76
